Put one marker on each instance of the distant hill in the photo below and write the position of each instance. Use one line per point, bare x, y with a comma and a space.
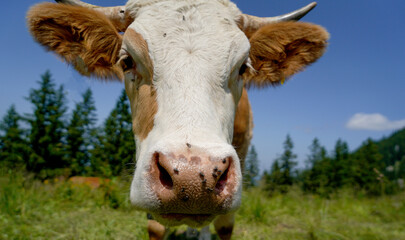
393, 148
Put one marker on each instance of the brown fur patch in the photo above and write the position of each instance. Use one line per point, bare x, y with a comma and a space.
141, 92
143, 108
282, 49
139, 48
243, 127
83, 37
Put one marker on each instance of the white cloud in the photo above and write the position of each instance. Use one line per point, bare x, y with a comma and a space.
374, 122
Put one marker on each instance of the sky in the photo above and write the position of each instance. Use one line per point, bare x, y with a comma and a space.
354, 92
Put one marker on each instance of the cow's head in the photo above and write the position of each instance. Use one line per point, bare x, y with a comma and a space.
184, 64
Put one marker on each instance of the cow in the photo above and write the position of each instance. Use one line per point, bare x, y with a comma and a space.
186, 66
92, 182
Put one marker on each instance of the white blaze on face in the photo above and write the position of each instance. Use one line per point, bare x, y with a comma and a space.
197, 50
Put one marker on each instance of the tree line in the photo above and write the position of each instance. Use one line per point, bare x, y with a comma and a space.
49, 142
375, 168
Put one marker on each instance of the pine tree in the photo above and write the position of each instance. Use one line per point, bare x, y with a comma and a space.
116, 148
310, 177
316, 178
75, 142
368, 165
315, 153
341, 166
273, 180
99, 165
81, 134
280, 177
14, 149
47, 128
251, 168
287, 162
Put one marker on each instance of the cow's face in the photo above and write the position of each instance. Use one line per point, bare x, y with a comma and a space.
184, 65
183, 103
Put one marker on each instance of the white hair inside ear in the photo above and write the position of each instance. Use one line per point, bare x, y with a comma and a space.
249, 65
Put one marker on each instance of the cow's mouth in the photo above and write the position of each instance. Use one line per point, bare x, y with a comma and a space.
189, 219
181, 216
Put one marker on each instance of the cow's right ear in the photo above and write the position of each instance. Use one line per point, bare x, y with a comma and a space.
279, 50
83, 37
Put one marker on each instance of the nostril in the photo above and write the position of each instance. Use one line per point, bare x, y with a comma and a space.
164, 176
219, 187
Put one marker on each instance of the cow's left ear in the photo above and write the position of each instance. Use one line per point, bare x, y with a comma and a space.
279, 50
84, 38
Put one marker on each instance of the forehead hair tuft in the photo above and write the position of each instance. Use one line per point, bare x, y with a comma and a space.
133, 6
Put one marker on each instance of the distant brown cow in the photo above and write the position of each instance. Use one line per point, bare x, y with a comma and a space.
186, 65
92, 182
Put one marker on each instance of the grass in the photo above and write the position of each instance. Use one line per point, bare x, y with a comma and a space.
33, 210
30, 209
298, 216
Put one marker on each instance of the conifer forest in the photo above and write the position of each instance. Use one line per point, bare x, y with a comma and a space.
341, 193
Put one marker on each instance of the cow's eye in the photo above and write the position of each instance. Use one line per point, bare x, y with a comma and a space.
127, 64
242, 69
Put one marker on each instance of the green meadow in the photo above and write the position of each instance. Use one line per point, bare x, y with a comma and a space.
30, 209
341, 194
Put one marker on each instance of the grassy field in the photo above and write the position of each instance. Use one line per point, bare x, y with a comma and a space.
43, 210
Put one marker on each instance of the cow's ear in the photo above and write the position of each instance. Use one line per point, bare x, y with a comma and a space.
83, 37
280, 50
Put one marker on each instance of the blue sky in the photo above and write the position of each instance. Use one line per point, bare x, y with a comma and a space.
355, 91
